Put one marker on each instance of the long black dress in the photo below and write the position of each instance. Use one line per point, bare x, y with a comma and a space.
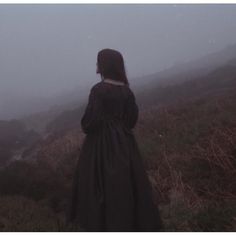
111, 191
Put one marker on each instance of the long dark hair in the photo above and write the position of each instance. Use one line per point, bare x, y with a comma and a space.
110, 65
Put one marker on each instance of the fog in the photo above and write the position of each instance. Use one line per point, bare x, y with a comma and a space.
47, 50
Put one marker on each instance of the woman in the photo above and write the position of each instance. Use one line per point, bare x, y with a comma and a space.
111, 190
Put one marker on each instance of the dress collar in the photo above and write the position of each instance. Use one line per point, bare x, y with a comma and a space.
111, 81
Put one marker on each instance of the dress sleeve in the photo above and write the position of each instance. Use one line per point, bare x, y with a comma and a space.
131, 111
92, 118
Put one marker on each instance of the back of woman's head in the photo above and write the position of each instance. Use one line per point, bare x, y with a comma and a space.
110, 65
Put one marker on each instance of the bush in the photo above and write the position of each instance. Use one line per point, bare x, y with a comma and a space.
33, 181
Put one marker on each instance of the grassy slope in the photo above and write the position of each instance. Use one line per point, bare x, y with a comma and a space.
188, 145
189, 151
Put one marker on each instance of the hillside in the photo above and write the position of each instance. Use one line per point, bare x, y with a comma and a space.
217, 81
189, 151
186, 133
14, 139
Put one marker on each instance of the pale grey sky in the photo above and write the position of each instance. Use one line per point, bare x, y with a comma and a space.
45, 49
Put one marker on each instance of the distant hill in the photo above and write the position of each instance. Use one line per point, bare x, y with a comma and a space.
188, 70
217, 81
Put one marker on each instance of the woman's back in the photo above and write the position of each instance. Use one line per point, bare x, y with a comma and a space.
114, 99
110, 102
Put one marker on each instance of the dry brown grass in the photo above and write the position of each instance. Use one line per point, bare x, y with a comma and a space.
190, 155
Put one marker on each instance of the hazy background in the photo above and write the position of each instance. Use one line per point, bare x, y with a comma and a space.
48, 50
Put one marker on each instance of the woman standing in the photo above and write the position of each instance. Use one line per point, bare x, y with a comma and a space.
111, 191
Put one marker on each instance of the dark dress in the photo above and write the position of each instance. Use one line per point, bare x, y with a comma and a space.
111, 190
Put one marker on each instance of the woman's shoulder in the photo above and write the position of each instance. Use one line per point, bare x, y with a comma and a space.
104, 88
99, 88
96, 87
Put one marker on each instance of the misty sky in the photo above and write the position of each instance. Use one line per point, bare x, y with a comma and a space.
45, 49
